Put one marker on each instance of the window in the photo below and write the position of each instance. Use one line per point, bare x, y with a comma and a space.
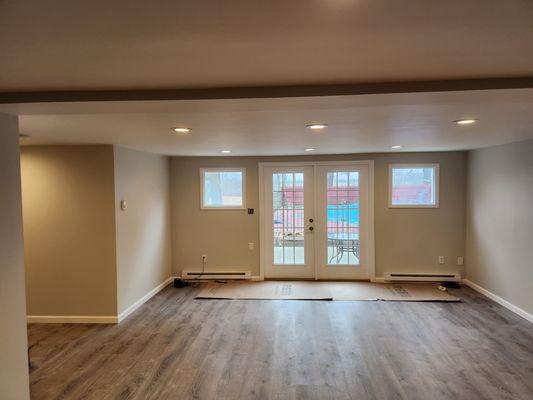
414, 185
342, 217
288, 218
222, 188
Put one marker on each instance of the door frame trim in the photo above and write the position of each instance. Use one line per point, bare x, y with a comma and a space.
371, 234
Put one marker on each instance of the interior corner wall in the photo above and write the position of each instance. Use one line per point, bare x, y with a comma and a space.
143, 229
499, 250
69, 230
14, 381
406, 240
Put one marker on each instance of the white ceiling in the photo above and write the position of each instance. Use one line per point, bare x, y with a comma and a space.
364, 123
125, 44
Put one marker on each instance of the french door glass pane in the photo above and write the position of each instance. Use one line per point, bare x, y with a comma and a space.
342, 216
288, 218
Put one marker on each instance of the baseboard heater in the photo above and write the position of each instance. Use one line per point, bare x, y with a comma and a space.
216, 275
422, 277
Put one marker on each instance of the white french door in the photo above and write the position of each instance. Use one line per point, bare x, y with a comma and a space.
316, 220
288, 218
342, 222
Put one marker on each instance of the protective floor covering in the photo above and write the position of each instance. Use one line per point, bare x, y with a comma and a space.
308, 290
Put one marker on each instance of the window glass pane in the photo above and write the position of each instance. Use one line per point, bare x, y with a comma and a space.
354, 180
343, 218
288, 218
276, 182
413, 186
223, 189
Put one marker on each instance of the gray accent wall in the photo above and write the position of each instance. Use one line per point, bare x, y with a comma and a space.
143, 229
499, 250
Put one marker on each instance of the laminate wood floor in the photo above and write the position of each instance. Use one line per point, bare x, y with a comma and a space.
176, 347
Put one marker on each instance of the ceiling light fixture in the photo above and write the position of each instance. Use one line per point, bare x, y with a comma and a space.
225, 151
316, 127
467, 121
310, 149
181, 129
396, 147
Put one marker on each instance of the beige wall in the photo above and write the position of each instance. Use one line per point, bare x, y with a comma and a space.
14, 383
143, 230
500, 222
406, 239
69, 230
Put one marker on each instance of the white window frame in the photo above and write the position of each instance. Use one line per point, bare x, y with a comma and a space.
202, 178
436, 166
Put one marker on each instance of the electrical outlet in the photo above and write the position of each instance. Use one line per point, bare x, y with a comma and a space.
460, 261
204, 258
441, 260
251, 246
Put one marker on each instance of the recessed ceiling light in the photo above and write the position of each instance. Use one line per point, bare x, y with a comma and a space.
467, 121
225, 151
181, 129
24, 136
316, 127
310, 149
396, 147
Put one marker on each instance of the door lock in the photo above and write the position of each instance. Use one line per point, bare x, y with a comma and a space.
310, 219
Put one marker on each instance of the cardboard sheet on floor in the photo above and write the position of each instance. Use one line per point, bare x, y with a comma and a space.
389, 291
302, 290
266, 290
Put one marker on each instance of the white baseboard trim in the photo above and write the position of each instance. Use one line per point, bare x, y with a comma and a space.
97, 319
72, 319
378, 280
124, 314
517, 310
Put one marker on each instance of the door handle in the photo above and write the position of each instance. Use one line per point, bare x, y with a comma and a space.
311, 229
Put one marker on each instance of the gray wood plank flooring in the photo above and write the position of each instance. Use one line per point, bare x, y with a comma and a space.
176, 347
